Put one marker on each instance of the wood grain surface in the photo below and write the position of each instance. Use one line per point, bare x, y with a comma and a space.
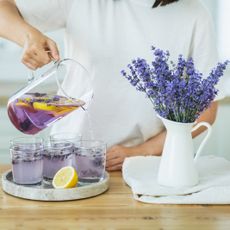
115, 209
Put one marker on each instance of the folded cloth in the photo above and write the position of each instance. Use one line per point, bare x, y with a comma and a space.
140, 173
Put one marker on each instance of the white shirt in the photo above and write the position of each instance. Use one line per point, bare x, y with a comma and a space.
104, 36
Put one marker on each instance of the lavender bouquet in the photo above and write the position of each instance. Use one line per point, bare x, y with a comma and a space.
178, 92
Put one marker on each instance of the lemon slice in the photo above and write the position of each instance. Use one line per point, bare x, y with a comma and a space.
27, 99
64, 111
43, 106
23, 104
66, 177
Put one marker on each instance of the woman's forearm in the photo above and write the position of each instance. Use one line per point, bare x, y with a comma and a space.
38, 48
12, 25
153, 146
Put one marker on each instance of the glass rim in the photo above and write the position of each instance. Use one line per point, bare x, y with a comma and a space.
27, 153
75, 136
98, 143
49, 144
26, 141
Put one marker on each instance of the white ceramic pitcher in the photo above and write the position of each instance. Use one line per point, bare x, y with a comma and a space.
177, 166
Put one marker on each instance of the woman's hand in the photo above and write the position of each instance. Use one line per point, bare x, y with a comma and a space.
117, 154
38, 50
115, 157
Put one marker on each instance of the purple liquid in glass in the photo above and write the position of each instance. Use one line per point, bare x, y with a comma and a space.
55, 158
27, 166
35, 111
90, 164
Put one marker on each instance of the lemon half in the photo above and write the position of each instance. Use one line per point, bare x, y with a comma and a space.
66, 177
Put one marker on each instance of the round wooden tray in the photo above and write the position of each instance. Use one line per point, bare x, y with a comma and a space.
45, 191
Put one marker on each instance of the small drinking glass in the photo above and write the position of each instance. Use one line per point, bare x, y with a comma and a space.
90, 160
27, 163
57, 154
67, 136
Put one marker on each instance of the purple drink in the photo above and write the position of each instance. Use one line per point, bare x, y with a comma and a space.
56, 156
90, 161
27, 163
33, 112
27, 171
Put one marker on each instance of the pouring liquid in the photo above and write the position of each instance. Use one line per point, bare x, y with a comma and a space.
90, 126
33, 112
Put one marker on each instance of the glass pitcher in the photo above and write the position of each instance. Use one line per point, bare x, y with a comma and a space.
43, 100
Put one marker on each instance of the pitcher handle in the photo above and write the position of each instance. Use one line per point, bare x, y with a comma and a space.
31, 76
209, 131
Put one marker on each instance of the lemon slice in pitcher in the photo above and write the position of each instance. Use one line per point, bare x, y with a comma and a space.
66, 177
22, 104
43, 106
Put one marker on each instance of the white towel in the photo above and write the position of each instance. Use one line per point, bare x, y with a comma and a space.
140, 173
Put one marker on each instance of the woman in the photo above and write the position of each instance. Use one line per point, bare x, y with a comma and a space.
104, 35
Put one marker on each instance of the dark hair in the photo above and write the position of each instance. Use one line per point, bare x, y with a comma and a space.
163, 2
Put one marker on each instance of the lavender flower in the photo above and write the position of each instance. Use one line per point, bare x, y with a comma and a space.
178, 92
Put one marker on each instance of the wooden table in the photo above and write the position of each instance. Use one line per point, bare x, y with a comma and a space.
115, 209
